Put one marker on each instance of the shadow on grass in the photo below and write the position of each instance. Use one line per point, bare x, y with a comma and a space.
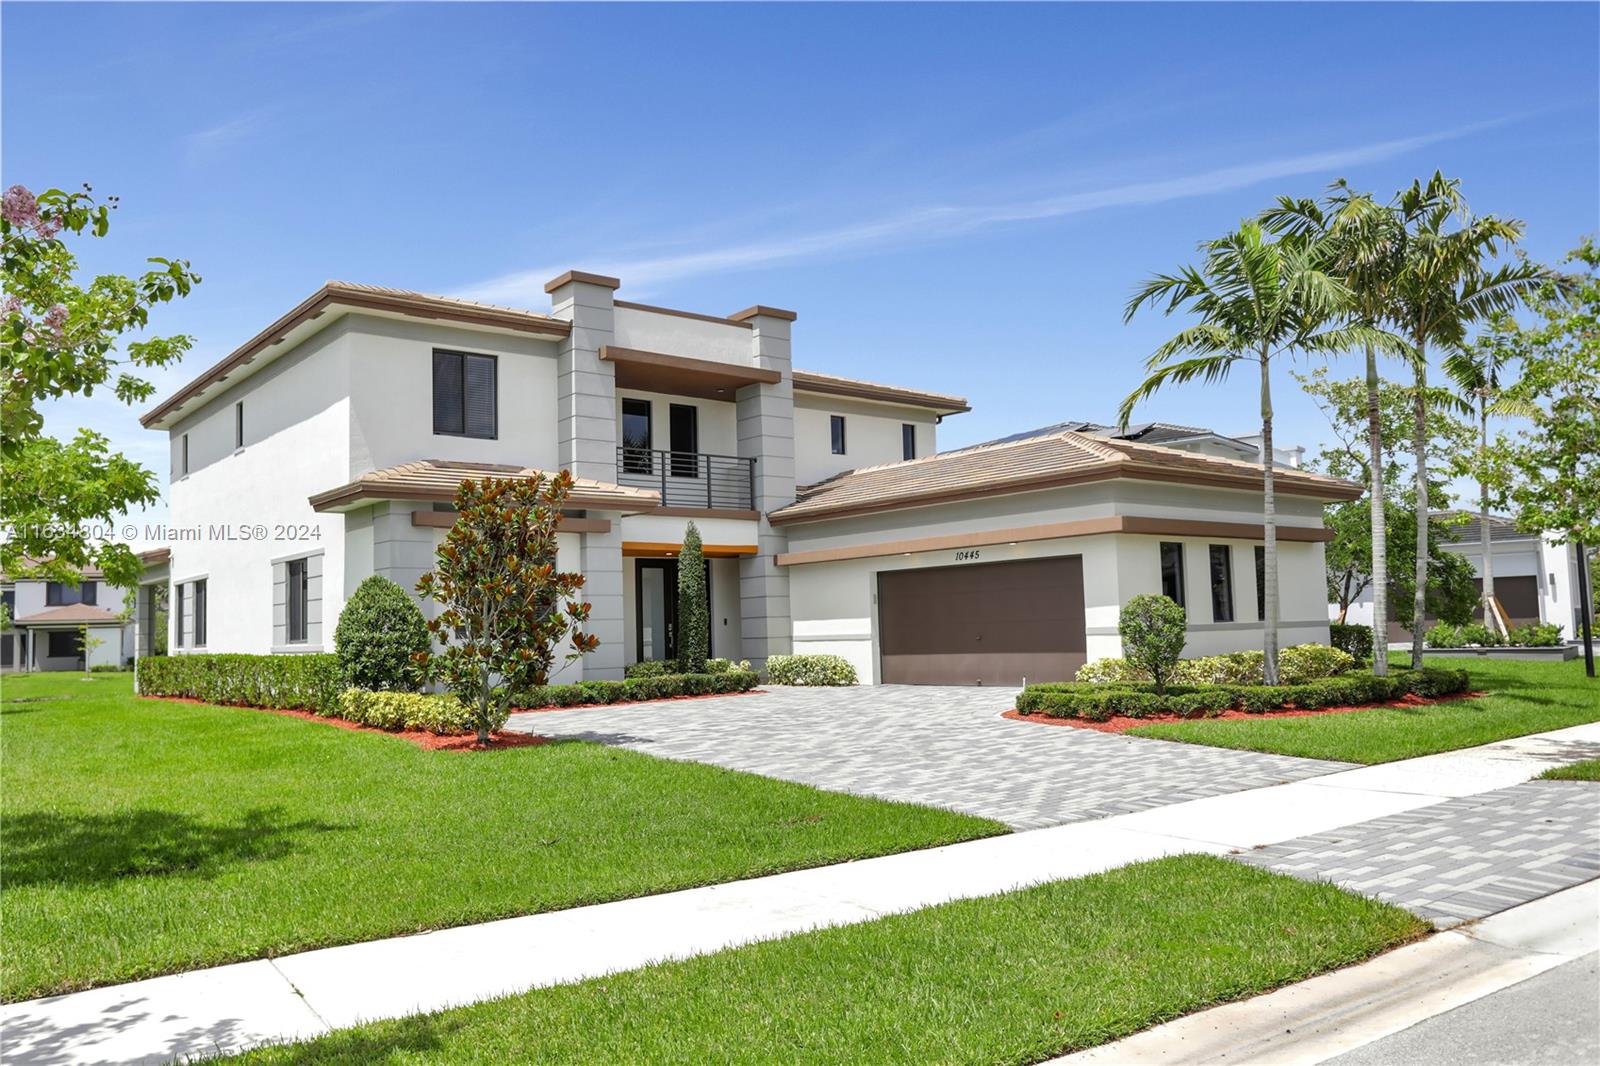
45, 847
379, 1044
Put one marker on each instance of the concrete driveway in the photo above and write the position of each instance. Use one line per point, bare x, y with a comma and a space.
944, 747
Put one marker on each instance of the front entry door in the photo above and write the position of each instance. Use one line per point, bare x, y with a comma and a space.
656, 608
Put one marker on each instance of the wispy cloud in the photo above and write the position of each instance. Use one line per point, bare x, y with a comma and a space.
201, 144
946, 221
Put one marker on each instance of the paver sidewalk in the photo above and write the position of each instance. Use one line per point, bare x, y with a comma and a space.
231, 1007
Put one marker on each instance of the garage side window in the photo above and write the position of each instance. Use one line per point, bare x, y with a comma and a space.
1221, 583
1172, 572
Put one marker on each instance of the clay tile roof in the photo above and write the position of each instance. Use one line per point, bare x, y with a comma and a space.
80, 613
1035, 463
437, 479
832, 384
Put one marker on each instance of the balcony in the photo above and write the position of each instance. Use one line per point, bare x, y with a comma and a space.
690, 479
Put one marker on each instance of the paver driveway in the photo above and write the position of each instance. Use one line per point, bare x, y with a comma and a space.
945, 747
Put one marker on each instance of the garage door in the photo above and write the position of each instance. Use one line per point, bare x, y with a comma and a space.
1518, 595
982, 624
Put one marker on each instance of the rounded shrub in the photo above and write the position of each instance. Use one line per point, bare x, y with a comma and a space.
810, 670
1153, 632
379, 632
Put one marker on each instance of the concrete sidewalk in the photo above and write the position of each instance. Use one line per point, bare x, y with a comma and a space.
1332, 1016
297, 996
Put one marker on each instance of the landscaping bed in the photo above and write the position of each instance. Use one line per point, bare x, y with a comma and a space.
1123, 723
422, 738
643, 699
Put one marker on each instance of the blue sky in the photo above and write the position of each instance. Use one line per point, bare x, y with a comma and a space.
954, 197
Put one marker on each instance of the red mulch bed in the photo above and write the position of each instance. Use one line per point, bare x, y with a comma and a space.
420, 737
627, 703
1121, 724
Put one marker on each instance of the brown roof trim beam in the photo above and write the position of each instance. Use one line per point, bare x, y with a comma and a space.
650, 549
1084, 527
828, 385
763, 311
358, 297
584, 276
681, 375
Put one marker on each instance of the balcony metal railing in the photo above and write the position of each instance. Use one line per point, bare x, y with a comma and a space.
690, 479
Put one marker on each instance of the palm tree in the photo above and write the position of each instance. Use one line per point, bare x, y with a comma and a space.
1361, 247
1257, 299
1442, 286
1477, 373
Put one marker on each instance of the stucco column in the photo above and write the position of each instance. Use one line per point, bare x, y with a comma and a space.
766, 434
586, 388
601, 563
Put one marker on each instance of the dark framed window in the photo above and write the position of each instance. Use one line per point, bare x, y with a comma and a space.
200, 614
298, 591
183, 467
908, 441
683, 426
1172, 571
179, 595
1261, 583
836, 433
636, 436
61, 594
238, 424
465, 395
1221, 583
9, 601
65, 644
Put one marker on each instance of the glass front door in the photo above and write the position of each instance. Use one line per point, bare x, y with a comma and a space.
656, 608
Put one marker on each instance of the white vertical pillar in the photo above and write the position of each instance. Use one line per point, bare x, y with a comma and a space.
586, 392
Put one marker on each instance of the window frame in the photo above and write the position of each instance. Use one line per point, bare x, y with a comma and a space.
1225, 585
1181, 599
183, 469
238, 425
837, 441
290, 615
199, 594
684, 461
179, 598
908, 441
79, 650
637, 459
55, 594
433, 393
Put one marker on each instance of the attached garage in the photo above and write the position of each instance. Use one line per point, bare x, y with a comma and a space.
982, 623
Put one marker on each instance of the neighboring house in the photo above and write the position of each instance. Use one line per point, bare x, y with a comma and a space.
1535, 579
1185, 438
328, 448
50, 619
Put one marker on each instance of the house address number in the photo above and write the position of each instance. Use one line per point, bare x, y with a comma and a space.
967, 555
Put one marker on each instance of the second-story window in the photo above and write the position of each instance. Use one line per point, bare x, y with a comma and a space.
684, 425
183, 460
1221, 583
636, 436
61, 594
836, 433
465, 395
908, 441
238, 424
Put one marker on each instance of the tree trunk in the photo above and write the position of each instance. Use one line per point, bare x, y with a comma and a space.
1380, 524
483, 707
1269, 528
1491, 617
1419, 443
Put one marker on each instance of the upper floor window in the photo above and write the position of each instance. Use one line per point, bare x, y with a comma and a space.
61, 594
1172, 572
908, 440
183, 459
238, 424
636, 436
684, 427
1221, 583
465, 396
836, 433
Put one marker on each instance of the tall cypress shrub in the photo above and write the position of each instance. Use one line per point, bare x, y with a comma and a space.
694, 610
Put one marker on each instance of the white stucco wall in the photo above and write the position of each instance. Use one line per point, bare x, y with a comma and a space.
652, 331
872, 434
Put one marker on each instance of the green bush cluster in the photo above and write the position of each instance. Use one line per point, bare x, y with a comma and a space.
1355, 641
1478, 635
646, 687
1296, 665
442, 714
1097, 702
380, 632
810, 670
289, 682
1154, 630
663, 667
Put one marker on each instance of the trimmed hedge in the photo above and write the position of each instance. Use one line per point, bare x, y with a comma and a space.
309, 682
1352, 640
647, 687
444, 714
664, 667
1097, 702
810, 670
1478, 635
1297, 664
380, 632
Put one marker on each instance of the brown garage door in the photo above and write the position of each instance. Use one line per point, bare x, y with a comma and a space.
1518, 595
982, 624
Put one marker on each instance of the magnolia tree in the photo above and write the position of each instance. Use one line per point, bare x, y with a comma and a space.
65, 337
505, 606
1153, 632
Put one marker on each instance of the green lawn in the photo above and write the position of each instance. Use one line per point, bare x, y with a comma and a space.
1588, 770
1005, 979
142, 837
1523, 698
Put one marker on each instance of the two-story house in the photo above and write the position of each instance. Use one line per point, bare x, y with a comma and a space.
328, 448
52, 625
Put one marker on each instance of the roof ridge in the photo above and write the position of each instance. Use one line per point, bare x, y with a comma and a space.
394, 290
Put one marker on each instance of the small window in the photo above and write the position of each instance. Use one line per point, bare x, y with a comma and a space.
636, 437
465, 396
238, 424
298, 593
65, 644
199, 614
179, 595
684, 425
183, 464
908, 441
1261, 583
836, 432
61, 594
1221, 583
1172, 572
